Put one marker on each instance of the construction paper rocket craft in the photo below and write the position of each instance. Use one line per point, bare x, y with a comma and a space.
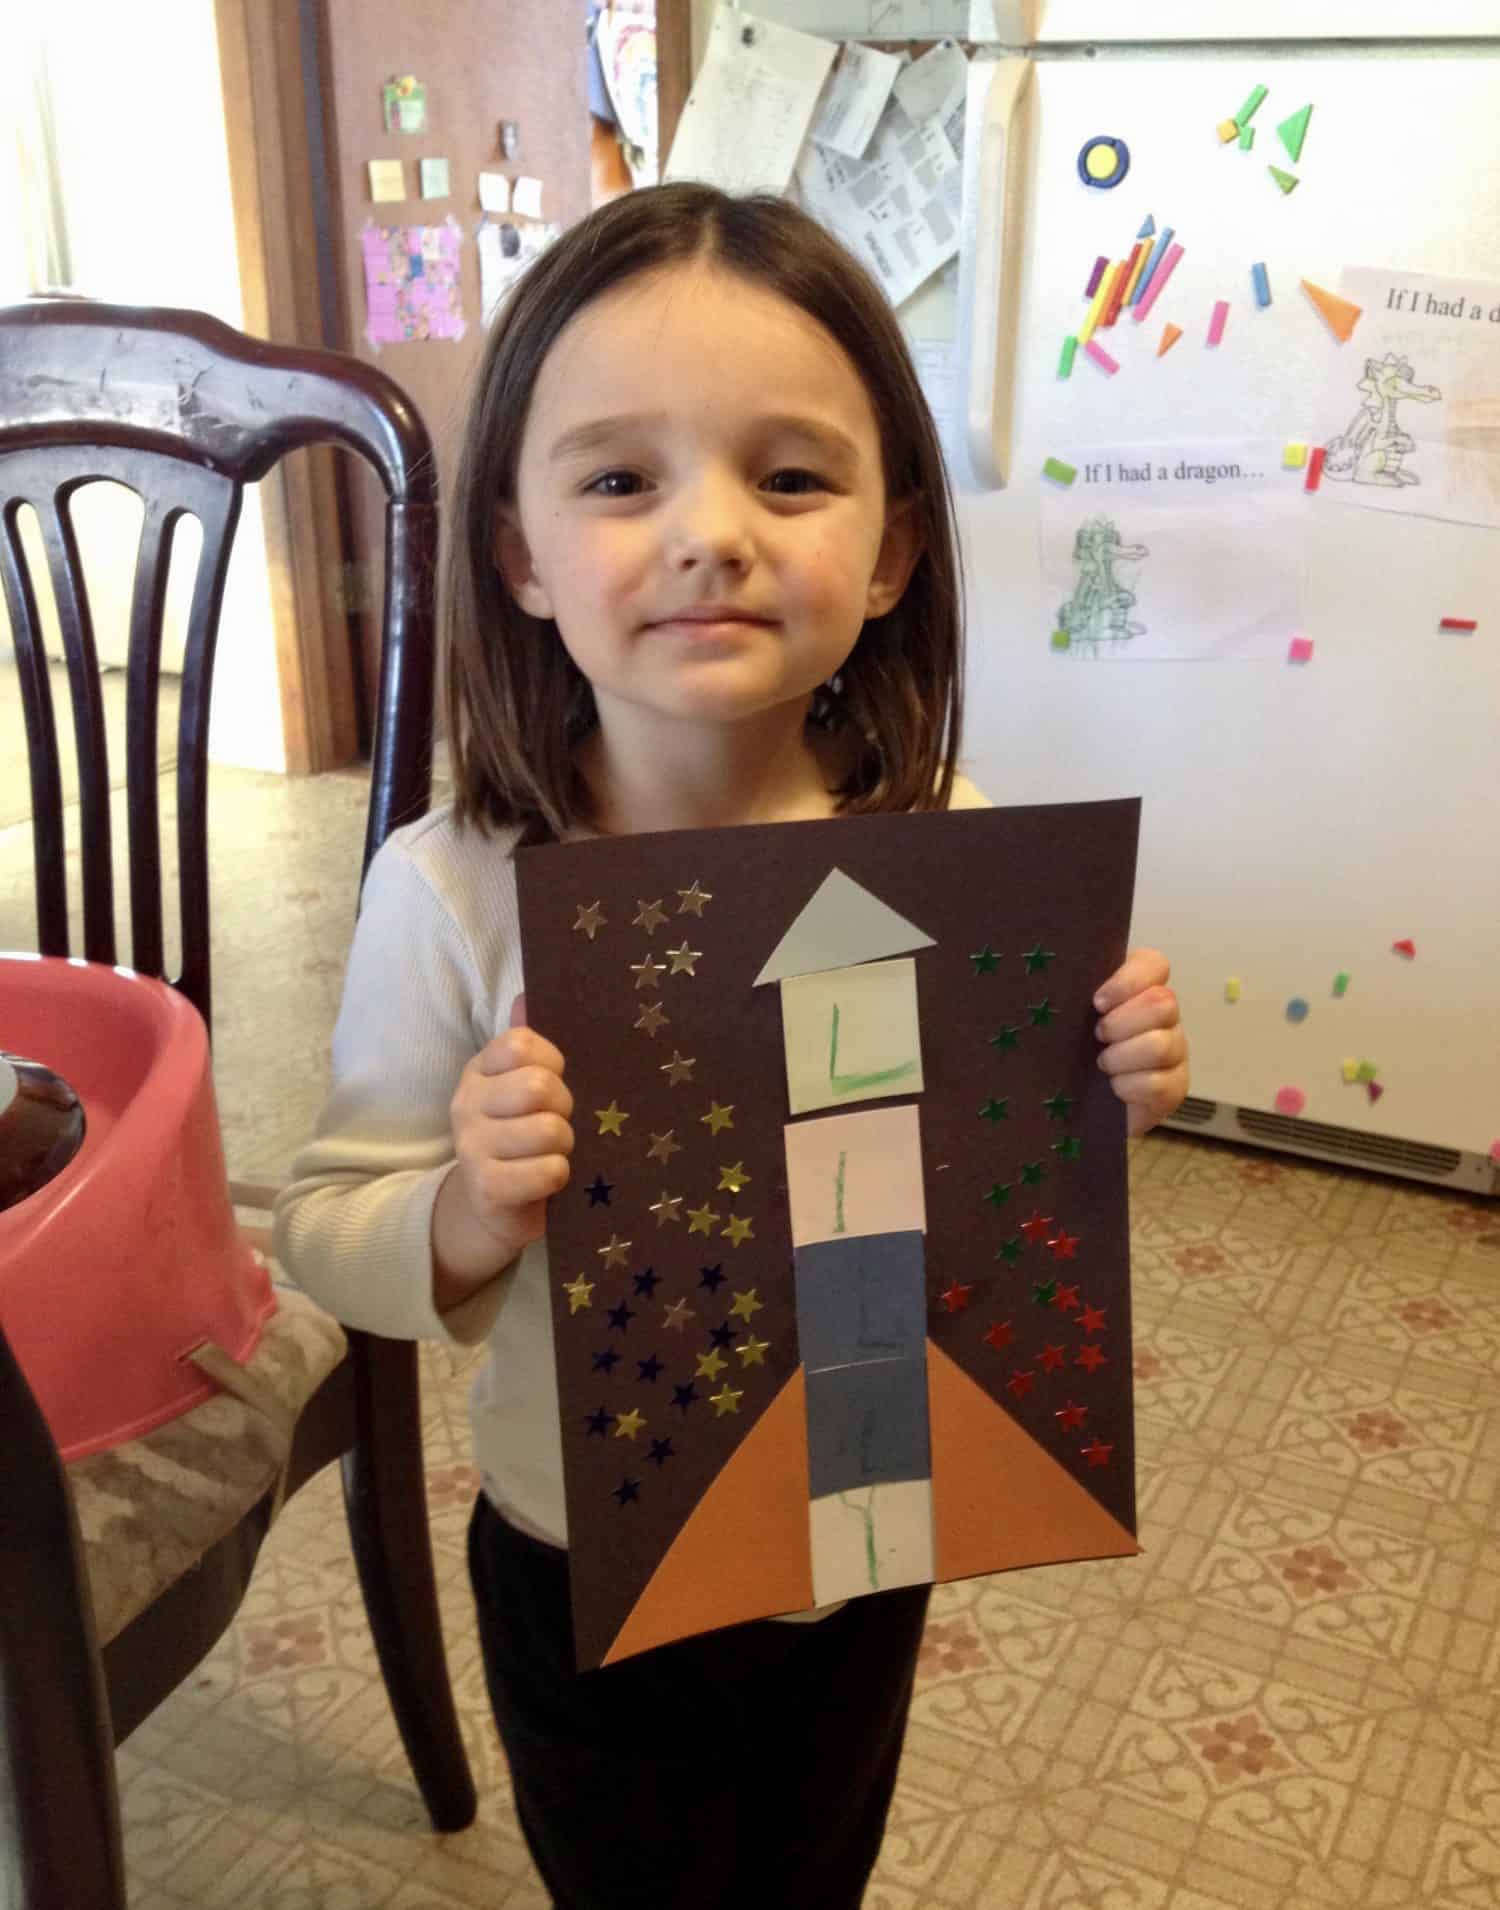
840, 1284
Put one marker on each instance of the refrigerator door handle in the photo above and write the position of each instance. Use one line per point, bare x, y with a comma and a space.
989, 293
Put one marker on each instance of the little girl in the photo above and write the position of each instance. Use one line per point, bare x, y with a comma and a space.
702, 572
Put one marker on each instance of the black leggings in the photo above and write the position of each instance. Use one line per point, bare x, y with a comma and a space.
747, 1768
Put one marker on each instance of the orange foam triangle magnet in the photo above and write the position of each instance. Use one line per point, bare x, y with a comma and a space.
1168, 339
745, 1550
1342, 315
1015, 1506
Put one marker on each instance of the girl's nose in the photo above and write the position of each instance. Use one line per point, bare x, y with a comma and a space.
708, 529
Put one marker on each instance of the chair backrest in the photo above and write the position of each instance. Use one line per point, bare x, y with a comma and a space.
185, 411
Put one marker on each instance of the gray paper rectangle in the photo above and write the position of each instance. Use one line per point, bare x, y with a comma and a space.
867, 1425
861, 1299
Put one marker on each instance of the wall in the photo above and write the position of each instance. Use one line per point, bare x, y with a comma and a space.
145, 185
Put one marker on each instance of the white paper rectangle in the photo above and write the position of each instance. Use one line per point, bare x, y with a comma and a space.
526, 198
854, 99
898, 211
751, 104
870, 1539
930, 87
1410, 410
1163, 551
494, 192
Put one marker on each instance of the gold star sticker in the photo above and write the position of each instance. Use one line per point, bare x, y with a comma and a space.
590, 920
651, 1017
717, 1117
753, 1352
677, 1069
627, 1425
732, 1179
651, 915
614, 1250
677, 1316
690, 901
683, 958
611, 1119
726, 1400
746, 1303
669, 1207
710, 1364
579, 1293
701, 1220
647, 973
663, 1147
737, 1230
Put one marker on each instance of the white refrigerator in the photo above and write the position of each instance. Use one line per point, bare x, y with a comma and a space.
1320, 848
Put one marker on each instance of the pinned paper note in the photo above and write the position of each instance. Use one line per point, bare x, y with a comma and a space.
751, 105
434, 176
387, 180
494, 192
404, 105
526, 197
854, 99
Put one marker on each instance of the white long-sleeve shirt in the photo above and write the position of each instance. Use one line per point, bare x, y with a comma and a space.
433, 971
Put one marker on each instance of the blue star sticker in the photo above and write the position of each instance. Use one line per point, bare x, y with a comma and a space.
620, 1316
711, 1277
685, 1396
626, 1491
598, 1422
600, 1191
605, 1360
649, 1369
646, 1283
661, 1451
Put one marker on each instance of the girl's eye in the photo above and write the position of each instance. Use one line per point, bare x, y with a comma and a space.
795, 482
613, 484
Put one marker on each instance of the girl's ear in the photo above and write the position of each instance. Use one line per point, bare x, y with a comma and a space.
512, 556
900, 547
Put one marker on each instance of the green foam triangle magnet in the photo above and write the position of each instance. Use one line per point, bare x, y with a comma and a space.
1293, 130
1286, 180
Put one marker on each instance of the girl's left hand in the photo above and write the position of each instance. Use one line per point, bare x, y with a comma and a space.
1145, 1052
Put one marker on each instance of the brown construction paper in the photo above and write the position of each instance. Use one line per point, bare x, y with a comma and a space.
745, 1549
1021, 1508
655, 1138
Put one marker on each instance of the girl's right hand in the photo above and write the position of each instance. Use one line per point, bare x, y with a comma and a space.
511, 1137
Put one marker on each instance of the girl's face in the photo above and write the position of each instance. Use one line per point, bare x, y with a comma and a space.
700, 501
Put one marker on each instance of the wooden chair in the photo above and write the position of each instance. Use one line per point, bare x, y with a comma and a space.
185, 411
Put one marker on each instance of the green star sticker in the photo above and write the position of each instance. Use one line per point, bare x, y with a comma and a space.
1007, 1039
1068, 1148
994, 1110
999, 1193
1044, 1292
1057, 1106
1009, 1250
1031, 1173
986, 961
1042, 1014
1036, 959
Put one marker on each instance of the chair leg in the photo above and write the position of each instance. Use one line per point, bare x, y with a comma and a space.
387, 1505
59, 1806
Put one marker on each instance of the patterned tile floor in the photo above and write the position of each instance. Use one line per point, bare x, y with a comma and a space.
1291, 1699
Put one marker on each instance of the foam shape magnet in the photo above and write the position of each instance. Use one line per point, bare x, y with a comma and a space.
1300, 650
1061, 640
1158, 252
1218, 321
1261, 281
1158, 283
1148, 228
1459, 623
1122, 279
1228, 131
1296, 1009
1495, 1150
1101, 298
1251, 107
1247, 139
1374, 1089
1059, 472
1340, 314
1367, 1071
1293, 130
1169, 337
1314, 468
1290, 1100
1405, 947
1341, 984
1138, 269
1100, 265
1069, 352
1293, 455
1101, 357
1232, 988
1350, 1068
1103, 161
840, 924
1288, 181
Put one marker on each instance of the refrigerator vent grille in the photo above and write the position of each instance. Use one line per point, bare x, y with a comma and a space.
1346, 1143
1195, 1111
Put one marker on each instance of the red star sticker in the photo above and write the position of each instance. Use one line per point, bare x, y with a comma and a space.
957, 1297
1035, 1229
1091, 1319
1091, 1356
1067, 1299
1065, 1246
1052, 1357
999, 1334
1098, 1453
1071, 1417
1020, 1383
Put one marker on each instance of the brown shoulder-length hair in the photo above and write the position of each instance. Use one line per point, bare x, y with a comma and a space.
517, 704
